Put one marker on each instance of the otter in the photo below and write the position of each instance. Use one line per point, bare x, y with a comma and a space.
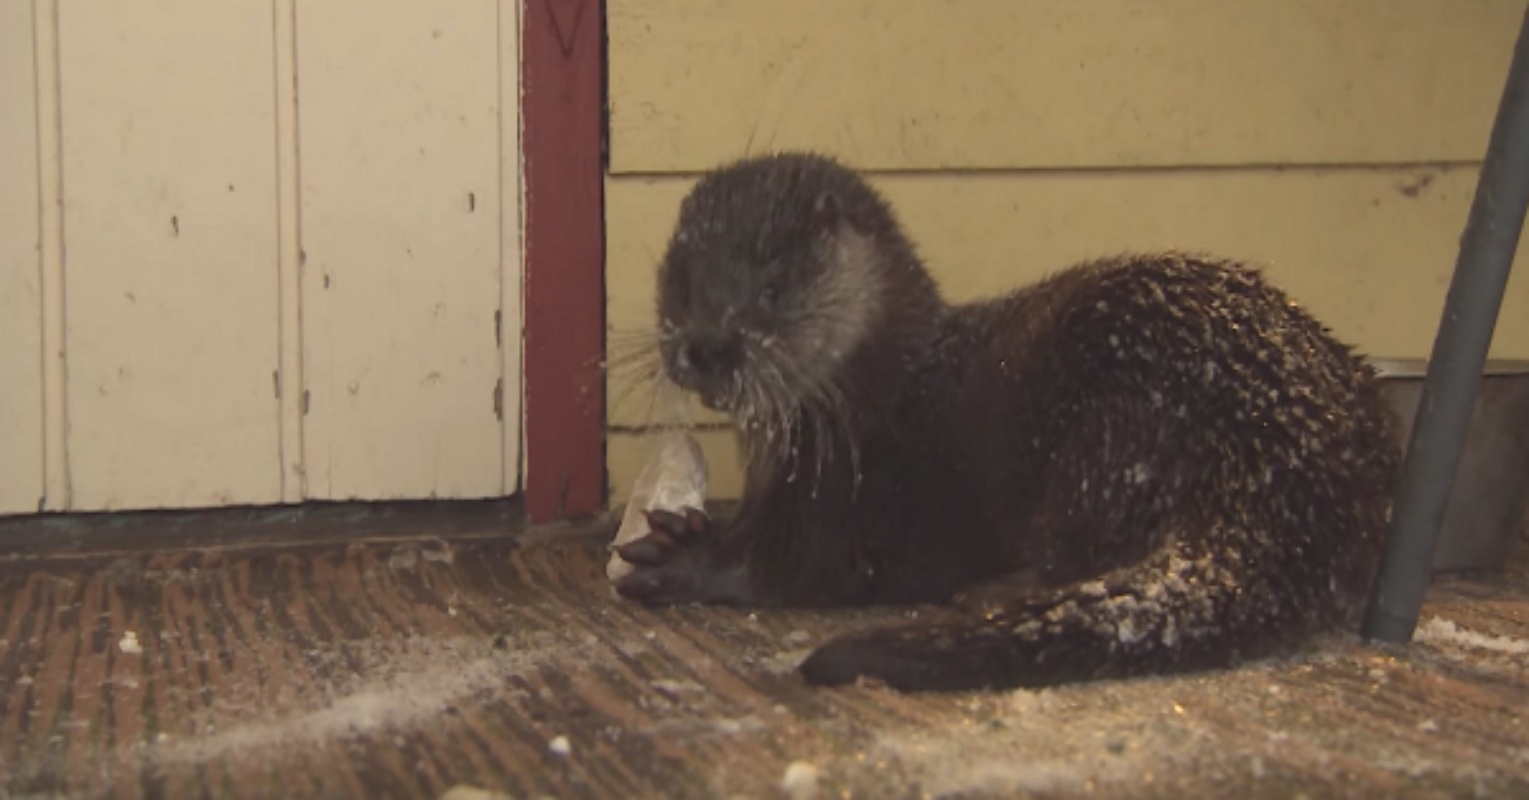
1145, 464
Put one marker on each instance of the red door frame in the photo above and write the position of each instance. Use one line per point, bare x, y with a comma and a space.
562, 71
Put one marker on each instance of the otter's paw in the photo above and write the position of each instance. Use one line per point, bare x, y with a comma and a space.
672, 562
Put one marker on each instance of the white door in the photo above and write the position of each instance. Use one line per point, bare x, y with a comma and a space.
278, 256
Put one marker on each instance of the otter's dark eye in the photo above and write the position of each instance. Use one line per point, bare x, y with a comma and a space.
767, 297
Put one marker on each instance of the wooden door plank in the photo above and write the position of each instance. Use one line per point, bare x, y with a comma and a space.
21, 412
168, 161
400, 179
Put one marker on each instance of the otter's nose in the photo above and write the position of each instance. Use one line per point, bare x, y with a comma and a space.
712, 356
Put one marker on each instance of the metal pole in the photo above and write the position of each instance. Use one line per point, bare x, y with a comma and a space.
1459, 355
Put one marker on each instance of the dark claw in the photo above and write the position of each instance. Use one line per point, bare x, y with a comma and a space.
661, 521
687, 522
640, 586
671, 561
649, 551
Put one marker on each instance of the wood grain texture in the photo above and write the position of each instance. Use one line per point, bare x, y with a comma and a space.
169, 221
351, 653
998, 84
400, 140
21, 408
565, 254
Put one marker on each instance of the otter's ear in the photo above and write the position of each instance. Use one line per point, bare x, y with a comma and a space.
827, 209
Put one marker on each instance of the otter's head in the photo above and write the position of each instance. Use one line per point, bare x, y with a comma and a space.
780, 270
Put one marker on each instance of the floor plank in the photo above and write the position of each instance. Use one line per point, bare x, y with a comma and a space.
405, 654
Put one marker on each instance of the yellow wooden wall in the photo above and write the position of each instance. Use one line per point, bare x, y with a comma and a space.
1335, 141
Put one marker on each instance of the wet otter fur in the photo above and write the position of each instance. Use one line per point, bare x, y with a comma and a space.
1148, 464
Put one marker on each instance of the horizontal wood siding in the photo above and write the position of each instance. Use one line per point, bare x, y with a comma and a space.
985, 84
1336, 142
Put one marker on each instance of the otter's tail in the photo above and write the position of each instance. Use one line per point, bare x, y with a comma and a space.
1172, 614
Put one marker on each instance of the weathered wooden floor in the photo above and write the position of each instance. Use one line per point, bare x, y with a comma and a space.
406, 654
